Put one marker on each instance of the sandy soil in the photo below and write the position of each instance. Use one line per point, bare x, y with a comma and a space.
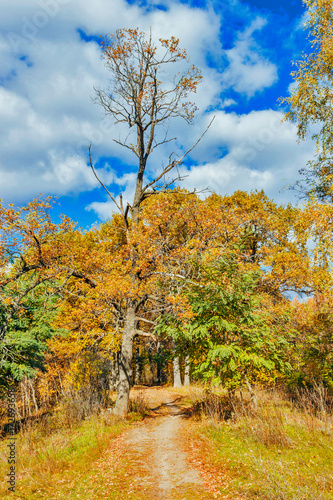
157, 451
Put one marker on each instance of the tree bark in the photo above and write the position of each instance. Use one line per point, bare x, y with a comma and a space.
137, 366
114, 372
187, 371
125, 367
33, 395
252, 393
177, 381
159, 365
3, 329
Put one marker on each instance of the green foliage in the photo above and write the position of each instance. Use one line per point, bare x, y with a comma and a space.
313, 343
25, 343
231, 339
310, 102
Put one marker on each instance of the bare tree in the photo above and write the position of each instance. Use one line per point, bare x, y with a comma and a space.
141, 96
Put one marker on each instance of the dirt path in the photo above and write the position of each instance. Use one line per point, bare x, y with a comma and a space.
156, 452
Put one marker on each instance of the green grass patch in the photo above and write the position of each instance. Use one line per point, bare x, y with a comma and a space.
275, 453
69, 462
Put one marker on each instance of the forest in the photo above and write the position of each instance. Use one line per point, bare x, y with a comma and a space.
231, 295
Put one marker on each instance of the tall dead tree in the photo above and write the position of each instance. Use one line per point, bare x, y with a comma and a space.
143, 97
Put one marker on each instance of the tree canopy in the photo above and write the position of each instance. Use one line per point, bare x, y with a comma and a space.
173, 279
312, 97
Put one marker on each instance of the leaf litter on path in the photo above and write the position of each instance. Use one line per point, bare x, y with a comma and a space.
156, 452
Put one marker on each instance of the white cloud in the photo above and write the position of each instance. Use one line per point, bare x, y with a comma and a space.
127, 184
292, 87
47, 117
57, 175
104, 210
48, 74
248, 71
302, 21
68, 172
262, 153
226, 176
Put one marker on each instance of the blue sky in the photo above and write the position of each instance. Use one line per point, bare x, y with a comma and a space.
50, 63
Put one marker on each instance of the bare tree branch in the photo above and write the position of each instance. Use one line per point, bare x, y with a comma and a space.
176, 163
145, 334
99, 180
120, 207
145, 320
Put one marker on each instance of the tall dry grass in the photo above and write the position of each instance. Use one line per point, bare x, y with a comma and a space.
279, 447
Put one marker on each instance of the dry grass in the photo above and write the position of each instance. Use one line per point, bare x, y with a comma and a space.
267, 421
139, 403
276, 450
269, 428
56, 455
215, 406
281, 483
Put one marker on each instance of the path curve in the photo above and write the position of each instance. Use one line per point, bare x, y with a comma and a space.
157, 453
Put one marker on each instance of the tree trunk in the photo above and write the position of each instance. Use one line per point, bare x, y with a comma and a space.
159, 365
137, 366
125, 367
187, 370
33, 395
114, 372
151, 364
3, 330
177, 381
252, 393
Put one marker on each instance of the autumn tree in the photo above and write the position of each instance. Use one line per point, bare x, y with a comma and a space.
142, 97
231, 336
36, 267
313, 351
177, 233
228, 282
311, 101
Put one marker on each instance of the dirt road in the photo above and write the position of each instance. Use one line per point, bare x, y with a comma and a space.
157, 455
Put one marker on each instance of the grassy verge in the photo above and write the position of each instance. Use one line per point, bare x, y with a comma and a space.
82, 461
273, 452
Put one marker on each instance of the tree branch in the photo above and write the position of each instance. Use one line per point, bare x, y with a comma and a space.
146, 320
99, 180
175, 163
144, 334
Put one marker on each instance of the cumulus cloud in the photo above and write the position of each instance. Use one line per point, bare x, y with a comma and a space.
47, 117
262, 153
226, 176
48, 77
58, 175
249, 71
126, 183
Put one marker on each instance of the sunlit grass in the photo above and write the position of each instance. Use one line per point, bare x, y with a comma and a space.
64, 463
274, 453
